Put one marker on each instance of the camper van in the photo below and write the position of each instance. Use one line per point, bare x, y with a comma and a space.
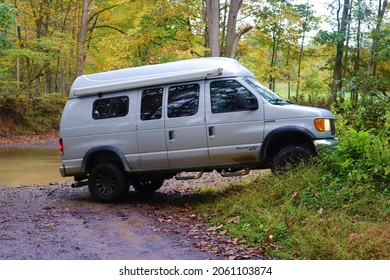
142, 125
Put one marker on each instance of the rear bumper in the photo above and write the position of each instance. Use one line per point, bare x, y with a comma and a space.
62, 171
69, 171
325, 144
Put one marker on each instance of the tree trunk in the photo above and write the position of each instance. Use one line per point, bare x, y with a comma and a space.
82, 37
301, 49
356, 65
235, 6
337, 70
273, 61
233, 37
212, 27
371, 69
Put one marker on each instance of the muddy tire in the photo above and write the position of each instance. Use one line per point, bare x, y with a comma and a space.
107, 183
147, 185
289, 157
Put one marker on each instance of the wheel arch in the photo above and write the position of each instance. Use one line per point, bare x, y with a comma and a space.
108, 154
285, 136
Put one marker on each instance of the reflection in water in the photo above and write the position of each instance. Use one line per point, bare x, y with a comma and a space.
27, 166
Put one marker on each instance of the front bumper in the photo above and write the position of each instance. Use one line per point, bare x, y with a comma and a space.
326, 144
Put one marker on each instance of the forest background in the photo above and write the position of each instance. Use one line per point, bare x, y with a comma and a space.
338, 59
45, 44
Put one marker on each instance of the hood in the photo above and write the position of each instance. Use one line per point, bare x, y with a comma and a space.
288, 111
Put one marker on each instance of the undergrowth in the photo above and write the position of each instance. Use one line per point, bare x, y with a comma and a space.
23, 115
337, 207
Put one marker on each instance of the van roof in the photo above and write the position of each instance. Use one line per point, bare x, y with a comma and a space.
158, 74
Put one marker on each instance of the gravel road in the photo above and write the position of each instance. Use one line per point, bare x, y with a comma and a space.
61, 223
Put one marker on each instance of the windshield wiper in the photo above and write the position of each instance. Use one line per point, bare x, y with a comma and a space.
278, 101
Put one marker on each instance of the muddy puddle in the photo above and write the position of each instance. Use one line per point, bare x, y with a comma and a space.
29, 165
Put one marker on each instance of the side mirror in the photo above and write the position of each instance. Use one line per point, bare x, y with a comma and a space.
253, 104
244, 103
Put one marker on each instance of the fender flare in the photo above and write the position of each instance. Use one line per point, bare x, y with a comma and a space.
111, 149
283, 130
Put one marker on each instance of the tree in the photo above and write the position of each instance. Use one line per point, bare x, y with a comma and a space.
212, 27
337, 70
279, 20
376, 36
7, 21
307, 14
230, 34
82, 37
233, 36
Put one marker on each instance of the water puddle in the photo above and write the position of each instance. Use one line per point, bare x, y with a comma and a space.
29, 166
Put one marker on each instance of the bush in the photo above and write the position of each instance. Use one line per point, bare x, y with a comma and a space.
46, 110
361, 157
372, 114
335, 208
20, 114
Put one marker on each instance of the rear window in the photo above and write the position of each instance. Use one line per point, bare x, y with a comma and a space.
110, 107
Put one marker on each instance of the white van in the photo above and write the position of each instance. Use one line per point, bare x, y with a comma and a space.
142, 125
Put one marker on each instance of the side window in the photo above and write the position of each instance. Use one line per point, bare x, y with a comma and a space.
230, 96
110, 107
183, 100
151, 104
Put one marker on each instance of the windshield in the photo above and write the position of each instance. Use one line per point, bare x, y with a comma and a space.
269, 95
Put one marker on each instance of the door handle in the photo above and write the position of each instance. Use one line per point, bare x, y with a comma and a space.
171, 135
211, 131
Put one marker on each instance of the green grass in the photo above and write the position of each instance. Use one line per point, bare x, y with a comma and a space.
302, 216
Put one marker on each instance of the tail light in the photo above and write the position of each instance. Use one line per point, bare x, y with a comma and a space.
61, 146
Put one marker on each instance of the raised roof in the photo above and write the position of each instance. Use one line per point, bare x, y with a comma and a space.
158, 74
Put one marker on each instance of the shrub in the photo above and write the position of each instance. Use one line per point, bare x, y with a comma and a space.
361, 157
20, 114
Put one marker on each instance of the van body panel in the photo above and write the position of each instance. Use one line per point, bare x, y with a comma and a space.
186, 135
81, 132
226, 130
198, 114
277, 116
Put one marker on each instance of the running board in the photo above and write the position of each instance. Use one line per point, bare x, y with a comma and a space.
241, 172
189, 177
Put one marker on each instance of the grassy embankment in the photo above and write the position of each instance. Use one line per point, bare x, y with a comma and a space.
337, 207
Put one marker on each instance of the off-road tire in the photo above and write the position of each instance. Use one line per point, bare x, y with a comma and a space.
289, 157
107, 183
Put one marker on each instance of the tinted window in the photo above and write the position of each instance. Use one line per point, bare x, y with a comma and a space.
230, 96
151, 104
183, 100
110, 107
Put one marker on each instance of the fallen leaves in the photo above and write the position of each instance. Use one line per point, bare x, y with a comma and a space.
193, 229
234, 220
29, 139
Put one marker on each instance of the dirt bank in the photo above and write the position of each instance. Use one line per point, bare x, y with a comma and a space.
47, 138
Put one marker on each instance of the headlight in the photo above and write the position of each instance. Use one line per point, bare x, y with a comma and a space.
322, 125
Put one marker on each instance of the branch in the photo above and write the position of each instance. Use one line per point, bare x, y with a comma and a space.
101, 11
246, 28
110, 27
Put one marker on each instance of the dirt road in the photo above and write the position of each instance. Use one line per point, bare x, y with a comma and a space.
58, 222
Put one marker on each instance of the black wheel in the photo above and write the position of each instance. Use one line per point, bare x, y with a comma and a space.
289, 157
107, 183
147, 184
